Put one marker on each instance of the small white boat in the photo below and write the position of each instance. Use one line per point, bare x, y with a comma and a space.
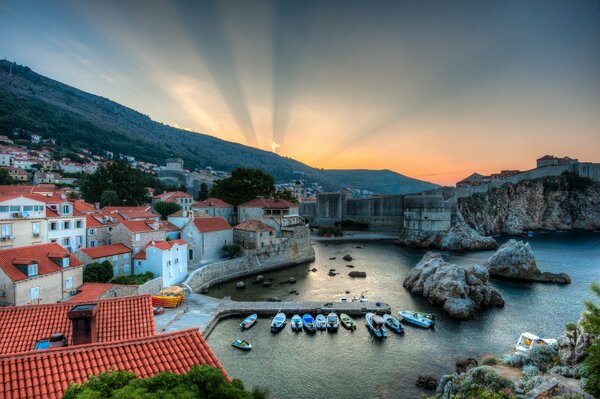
296, 323
278, 322
416, 319
375, 324
343, 299
321, 322
528, 340
248, 322
243, 345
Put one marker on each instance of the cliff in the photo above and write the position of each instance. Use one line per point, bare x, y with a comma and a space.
565, 202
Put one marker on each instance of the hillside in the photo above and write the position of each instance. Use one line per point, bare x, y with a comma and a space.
75, 118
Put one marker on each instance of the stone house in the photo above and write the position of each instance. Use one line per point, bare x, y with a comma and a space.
167, 259
18, 174
99, 228
214, 207
275, 212
118, 255
184, 200
206, 237
43, 273
138, 233
253, 234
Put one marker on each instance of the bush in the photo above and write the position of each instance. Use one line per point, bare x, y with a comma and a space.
529, 371
232, 251
571, 326
533, 382
133, 279
334, 231
563, 370
580, 371
487, 378
98, 272
543, 356
166, 208
489, 361
592, 370
517, 360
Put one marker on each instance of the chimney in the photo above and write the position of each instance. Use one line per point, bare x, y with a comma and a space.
83, 319
97, 205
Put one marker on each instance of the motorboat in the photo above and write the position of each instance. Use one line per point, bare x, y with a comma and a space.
343, 299
361, 298
296, 323
528, 341
243, 345
308, 322
348, 322
375, 325
321, 322
393, 323
416, 319
333, 322
278, 322
248, 322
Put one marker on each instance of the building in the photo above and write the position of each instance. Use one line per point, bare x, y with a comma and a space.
181, 217
70, 167
426, 213
275, 212
206, 237
66, 225
99, 228
184, 200
6, 158
118, 255
253, 234
137, 234
167, 259
474, 179
551, 160
43, 273
18, 174
214, 207
22, 220
41, 177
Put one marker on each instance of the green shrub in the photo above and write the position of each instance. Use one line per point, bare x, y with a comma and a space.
98, 272
352, 225
133, 279
489, 361
529, 371
580, 371
571, 326
533, 382
326, 230
543, 357
232, 251
517, 360
565, 371
592, 370
166, 208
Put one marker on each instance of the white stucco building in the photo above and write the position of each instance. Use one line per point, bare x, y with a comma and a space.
163, 258
206, 237
275, 212
214, 207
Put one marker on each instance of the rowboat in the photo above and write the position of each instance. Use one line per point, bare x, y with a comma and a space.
416, 320
333, 322
347, 322
309, 323
296, 323
528, 340
278, 322
243, 345
248, 322
393, 323
321, 322
375, 325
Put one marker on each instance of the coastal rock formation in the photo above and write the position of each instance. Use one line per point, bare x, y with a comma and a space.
355, 273
428, 382
573, 345
515, 260
461, 291
465, 364
565, 202
348, 258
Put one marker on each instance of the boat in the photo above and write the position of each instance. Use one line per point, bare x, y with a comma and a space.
170, 297
375, 325
343, 299
416, 319
393, 323
430, 316
308, 322
243, 345
296, 323
361, 298
333, 322
528, 341
347, 322
321, 322
248, 322
278, 322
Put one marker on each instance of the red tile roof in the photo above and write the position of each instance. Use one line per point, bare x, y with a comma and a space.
90, 291
208, 224
254, 225
211, 203
137, 215
83, 206
106, 250
172, 196
269, 203
47, 374
39, 253
110, 209
117, 319
137, 226
162, 245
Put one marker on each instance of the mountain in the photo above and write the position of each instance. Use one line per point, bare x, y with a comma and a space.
77, 119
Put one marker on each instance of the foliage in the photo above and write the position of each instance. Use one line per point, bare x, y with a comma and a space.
529, 371
517, 360
244, 185
166, 208
200, 382
591, 316
543, 357
5, 177
565, 371
109, 197
285, 195
591, 323
326, 230
581, 371
232, 250
571, 326
352, 225
126, 182
481, 382
133, 279
98, 272
203, 193
532, 382
489, 361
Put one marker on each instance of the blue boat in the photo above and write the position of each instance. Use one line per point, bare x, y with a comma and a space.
375, 325
393, 323
333, 322
243, 345
278, 322
309, 323
248, 322
321, 322
416, 319
296, 323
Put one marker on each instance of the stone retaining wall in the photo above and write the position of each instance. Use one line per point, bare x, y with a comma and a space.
150, 287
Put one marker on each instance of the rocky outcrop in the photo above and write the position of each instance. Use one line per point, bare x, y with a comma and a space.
515, 260
461, 291
573, 345
565, 202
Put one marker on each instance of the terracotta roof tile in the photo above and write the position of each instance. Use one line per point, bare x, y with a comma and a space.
39, 253
254, 225
162, 245
106, 250
172, 196
90, 291
110, 209
269, 203
208, 224
211, 203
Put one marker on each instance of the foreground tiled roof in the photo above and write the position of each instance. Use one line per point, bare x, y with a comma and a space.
117, 319
106, 250
40, 253
208, 224
269, 203
90, 291
254, 225
47, 374
211, 203
137, 226
162, 245
84, 207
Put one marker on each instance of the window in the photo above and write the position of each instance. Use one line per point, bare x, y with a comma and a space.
3, 208
66, 225
32, 270
65, 209
15, 208
79, 240
69, 282
53, 226
92, 243
92, 231
190, 254
176, 260
6, 230
169, 262
79, 224
115, 258
137, 237
36, 228
34, 293
66, 241
27, 208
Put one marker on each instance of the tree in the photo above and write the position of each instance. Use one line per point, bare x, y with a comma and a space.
591, 324
166, 208
98, 272
285, 195
245, 184
126, 182
109, 197
203, 193
5, 177
232, 251
200, 382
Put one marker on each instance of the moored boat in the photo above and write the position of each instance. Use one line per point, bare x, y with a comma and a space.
248, 322
308, 322
347, 322
416, 319
278, 322
393, 323
528, 340
333, 322
296, 323
243, 345
343, 299
321, 322
375, 325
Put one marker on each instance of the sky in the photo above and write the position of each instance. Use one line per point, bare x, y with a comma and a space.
434, 90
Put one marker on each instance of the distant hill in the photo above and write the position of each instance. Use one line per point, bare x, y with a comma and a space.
78, 119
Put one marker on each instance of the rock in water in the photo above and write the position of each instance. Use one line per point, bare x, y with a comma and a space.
355, 273
461, 291
240, 285
428, 382
463, 365
515, 260
348, 258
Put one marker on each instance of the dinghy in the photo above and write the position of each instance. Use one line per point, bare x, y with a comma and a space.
278, 322
393, 323
243, 345
347, 322
333, 322
375, 325
416, 319
248, 322
528, 341
308, 323
321, 322
296, 323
